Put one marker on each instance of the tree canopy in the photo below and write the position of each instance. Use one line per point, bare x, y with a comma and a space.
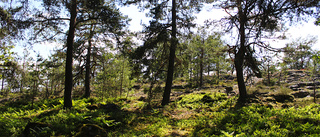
98, 49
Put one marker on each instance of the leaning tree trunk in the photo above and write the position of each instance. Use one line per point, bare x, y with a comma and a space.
167, 90
68, 75
239, 56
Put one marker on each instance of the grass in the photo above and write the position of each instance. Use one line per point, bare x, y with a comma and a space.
202, 113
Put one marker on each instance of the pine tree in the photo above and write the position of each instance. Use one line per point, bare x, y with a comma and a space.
251, 19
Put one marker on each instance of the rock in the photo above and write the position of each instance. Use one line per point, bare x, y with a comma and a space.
228, 90
303, 84
142, 99
188, 91
310, 83
285, 106
263, 94
232, 93
292, 72
229, 77
300, 94
48, 113
317, 95
177, 87
4, 100
91, 130
33, 129
268, 106
270, 99
207, 99
311, 87
294, 87
110, 107
137, 87
205, 87
92, 107
283, 98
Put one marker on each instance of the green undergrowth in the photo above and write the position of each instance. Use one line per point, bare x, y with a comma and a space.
196, 114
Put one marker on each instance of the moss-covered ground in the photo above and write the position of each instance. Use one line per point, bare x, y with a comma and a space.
201, 113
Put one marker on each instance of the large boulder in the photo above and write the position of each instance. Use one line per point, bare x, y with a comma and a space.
91, 130
300, 94
294, 87
177, 87
35, 129
207, 99
111, 107
137, 87
317, 95
228, 90
270, 99
283, 98
303, 84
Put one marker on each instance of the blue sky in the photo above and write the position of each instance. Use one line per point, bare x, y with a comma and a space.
303, 29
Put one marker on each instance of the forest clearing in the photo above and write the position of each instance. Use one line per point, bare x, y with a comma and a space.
231, 76
209, 111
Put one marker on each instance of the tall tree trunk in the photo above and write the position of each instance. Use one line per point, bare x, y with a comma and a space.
190, 71
208, 69
68, 70
218, 68
52, 83
150, 93
88, 67
47, 89
121, 77
2, 83
268, 70
22, 75
279, 81
201, 67
167, 90
314, 81
239, 56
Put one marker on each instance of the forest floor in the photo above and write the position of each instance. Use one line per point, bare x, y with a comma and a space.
270, 111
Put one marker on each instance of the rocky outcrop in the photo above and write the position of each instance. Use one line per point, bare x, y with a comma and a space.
304, 88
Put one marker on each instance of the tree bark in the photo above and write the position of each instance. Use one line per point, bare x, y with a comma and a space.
68, 70
121, 77
268, 70
218, 68
201, 67
2, 83
167, 90
88, 66
88, 71
239, 56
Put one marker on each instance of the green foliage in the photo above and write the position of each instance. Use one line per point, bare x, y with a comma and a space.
298, 53
284, 91
114, 78
317, 22
203, 53
258, 120
196, 114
